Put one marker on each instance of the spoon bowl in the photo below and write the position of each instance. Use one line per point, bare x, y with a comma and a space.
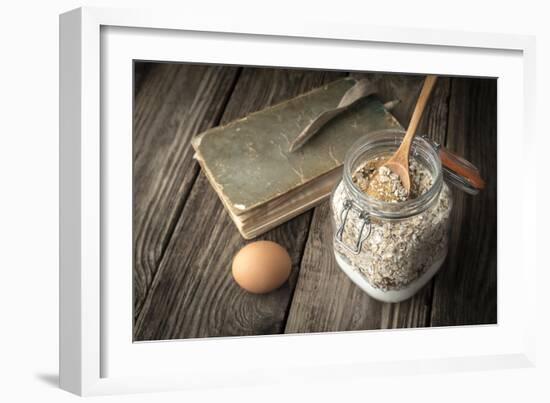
399, 162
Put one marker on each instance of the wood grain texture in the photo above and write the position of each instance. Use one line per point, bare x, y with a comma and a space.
465, 288
325, 299
404, 88
141, 70
193, 293
184, 240
174, 103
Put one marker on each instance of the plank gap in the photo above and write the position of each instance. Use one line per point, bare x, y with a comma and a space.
180, 204
193, 294
302, 251
179, 208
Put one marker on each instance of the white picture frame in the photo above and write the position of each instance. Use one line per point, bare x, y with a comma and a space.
97, 355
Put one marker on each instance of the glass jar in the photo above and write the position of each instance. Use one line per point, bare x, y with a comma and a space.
391, 250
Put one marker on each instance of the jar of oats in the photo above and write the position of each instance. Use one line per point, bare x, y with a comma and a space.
390, 242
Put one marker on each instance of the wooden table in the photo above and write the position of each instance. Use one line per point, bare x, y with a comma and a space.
184, 241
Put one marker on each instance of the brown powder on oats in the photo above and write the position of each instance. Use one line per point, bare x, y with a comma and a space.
396, 252
381, 183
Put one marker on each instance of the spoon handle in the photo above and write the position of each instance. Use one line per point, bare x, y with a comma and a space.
427, 88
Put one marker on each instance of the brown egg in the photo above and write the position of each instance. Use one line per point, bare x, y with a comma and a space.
261, 267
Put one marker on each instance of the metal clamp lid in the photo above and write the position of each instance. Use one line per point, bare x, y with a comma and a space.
363, 216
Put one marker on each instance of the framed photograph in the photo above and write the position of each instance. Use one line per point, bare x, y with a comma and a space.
235, 211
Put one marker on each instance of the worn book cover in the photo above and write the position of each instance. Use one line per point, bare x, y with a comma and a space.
249, 164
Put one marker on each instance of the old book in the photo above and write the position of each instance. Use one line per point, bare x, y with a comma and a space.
260, 182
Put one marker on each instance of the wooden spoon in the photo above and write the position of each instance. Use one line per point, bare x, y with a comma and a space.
399, 162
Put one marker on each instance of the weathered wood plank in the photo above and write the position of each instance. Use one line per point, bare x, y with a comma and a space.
141, 70
465, 288
193, 293
325, 299
175, 102
404, 88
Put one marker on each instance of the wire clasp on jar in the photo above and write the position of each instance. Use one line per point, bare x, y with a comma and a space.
363, 216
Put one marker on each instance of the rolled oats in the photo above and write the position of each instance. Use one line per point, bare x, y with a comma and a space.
396, 251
